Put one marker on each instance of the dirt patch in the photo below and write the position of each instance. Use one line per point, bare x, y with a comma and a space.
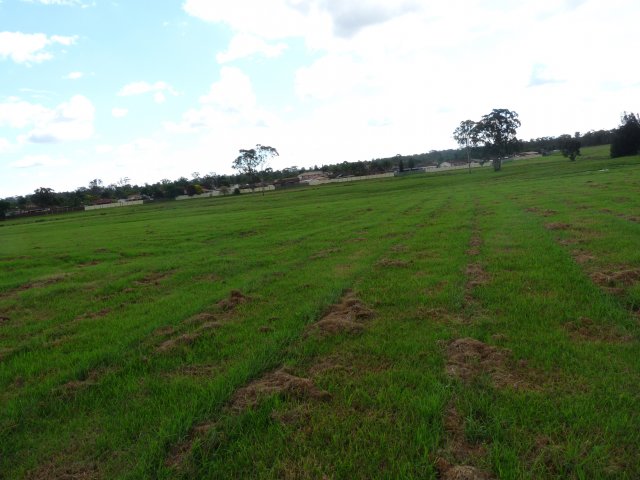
164, 331
279, 382
459, 472
40, 283
476, 275
542, 212
568, 241
76, 385
616, 281
200, 318
345, 317
388, 262
399, 248
69, 471
557, 226
210, 326
4, 319
93, 315
153, 278
265, 329
89, 264
585, 329
582, 257
6, 353
459, 450
236, 298
349, 364
439, 315
468, 359
180, 452
324, 253
183, 340
201, 370
211, 277
475, 242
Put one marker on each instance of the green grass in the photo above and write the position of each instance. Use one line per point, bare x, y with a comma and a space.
85, 392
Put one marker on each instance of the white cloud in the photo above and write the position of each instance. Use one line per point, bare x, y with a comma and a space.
74, 75
68, 3
30, 47
159, 97
230, 103
72, 120
31, 161
119, 112
16, 113
5, 145
244, 45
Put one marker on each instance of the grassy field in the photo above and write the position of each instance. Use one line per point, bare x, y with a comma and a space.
432, 326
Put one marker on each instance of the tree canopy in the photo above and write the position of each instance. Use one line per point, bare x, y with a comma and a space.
253, 160
570, 146
497, 131
626, 138
466, 137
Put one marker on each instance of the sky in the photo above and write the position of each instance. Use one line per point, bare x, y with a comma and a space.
146, 90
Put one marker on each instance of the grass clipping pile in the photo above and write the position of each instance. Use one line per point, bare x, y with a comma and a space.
468, 359
348, 316
279, 382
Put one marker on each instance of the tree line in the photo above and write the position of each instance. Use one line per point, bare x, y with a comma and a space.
492, 138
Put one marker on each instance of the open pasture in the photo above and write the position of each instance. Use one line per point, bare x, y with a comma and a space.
432, 326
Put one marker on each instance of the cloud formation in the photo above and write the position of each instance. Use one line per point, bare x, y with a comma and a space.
71, 120
158, 89
30, 47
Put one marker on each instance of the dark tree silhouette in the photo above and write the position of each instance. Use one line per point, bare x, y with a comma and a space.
252, 161
626, 138
497, 131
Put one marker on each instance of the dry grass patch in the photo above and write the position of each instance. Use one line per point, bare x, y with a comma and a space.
460, 452
185, 339
40, 283
468, 359
344, 317
585, 329
236, 297
280, 382
389, 262
476, 275
153, 278
624, 277
180, 451
557, 226
324, 253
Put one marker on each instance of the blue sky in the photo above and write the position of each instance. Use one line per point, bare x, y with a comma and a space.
151, 90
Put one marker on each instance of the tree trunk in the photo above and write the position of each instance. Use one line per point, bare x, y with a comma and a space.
497, 165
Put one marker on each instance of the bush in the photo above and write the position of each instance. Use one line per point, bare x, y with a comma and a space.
626, 138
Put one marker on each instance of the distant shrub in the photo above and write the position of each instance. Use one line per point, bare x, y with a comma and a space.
626, 138
236, 191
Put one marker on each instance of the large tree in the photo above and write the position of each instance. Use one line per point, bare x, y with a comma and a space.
44, 197
497, 131
626, 138
570, 146
465, 135
252, 161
